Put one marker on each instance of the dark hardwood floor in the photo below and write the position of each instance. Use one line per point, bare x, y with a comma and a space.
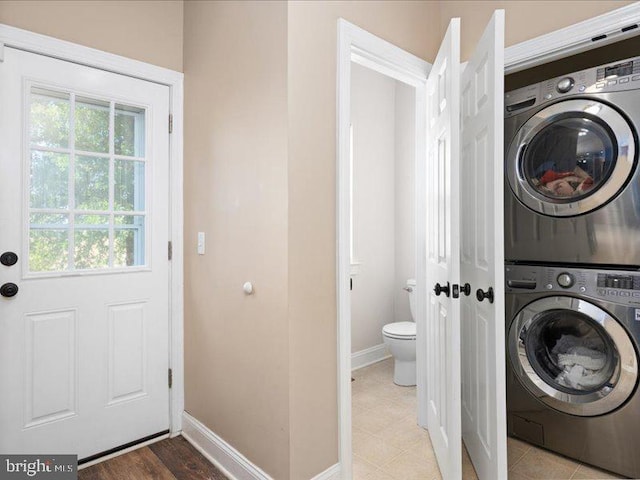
169, 459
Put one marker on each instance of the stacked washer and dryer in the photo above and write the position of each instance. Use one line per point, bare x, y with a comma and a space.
572, 250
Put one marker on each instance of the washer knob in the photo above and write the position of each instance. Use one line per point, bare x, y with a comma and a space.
565, 85
565, 280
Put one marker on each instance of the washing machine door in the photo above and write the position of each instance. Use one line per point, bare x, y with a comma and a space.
571, 157
573, 356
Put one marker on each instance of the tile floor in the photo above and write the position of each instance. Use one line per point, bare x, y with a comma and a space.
388, 445
528, 462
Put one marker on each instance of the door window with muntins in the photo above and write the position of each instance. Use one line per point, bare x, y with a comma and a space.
86, 183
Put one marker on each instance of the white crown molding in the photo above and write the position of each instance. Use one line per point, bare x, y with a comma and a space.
573, 39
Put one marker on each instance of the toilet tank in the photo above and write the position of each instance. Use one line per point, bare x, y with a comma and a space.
411, 288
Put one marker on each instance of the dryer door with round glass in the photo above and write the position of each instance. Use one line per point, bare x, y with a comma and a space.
571, 157
573, 356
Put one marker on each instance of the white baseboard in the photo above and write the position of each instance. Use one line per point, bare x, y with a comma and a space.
369, 356
229, 460
331, 473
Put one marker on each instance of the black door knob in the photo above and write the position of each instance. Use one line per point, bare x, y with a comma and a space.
466, 289
480, 295
438, 289
8, 259
9, 290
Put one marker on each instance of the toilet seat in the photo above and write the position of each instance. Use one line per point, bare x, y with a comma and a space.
400, 330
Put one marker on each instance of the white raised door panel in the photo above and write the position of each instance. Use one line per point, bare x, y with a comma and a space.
443, 260
127, 352
84, 156
51, 357
482, 257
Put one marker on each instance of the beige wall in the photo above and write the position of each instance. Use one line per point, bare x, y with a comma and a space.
524, 19
150, 31
236, 346
312, 206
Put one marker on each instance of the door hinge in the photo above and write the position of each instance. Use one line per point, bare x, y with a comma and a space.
170, 123
170, 378
170, 250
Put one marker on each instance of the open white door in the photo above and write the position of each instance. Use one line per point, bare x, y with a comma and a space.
482, 256
443, 254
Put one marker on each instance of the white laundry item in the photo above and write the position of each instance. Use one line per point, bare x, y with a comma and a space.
574, 375
565, 342
585, 357
583, 368
591, 379
578, 378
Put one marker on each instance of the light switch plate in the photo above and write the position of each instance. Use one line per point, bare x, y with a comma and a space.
200, 243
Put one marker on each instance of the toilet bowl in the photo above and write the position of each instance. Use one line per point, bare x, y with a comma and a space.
400, 338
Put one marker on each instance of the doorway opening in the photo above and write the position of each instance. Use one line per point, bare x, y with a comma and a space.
385, 432
381, 187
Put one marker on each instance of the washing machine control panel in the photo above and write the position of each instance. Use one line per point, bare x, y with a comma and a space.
623, 282
611, 285
566, 280
618, 76
565, 85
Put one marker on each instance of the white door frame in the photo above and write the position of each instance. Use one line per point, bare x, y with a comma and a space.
71, 52
364, 48
357, 45
573, 39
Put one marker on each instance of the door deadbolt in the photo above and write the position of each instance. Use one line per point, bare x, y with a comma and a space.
9, 290
8, 259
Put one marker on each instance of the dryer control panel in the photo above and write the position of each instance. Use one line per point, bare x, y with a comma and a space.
613, 77
624, 282
611, 285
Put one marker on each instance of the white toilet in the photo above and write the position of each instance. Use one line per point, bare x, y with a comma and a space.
400, 338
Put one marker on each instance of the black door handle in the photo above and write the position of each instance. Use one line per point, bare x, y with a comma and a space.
8, 259
438, 289
480, 295
9, 290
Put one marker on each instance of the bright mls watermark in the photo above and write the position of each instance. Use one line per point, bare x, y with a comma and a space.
38, 467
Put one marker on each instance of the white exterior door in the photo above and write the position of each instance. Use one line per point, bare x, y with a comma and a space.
443, 254
482, 255
84, 343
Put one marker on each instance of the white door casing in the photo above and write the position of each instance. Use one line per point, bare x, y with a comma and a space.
482, 254
357, 45
83, 353
443, 257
